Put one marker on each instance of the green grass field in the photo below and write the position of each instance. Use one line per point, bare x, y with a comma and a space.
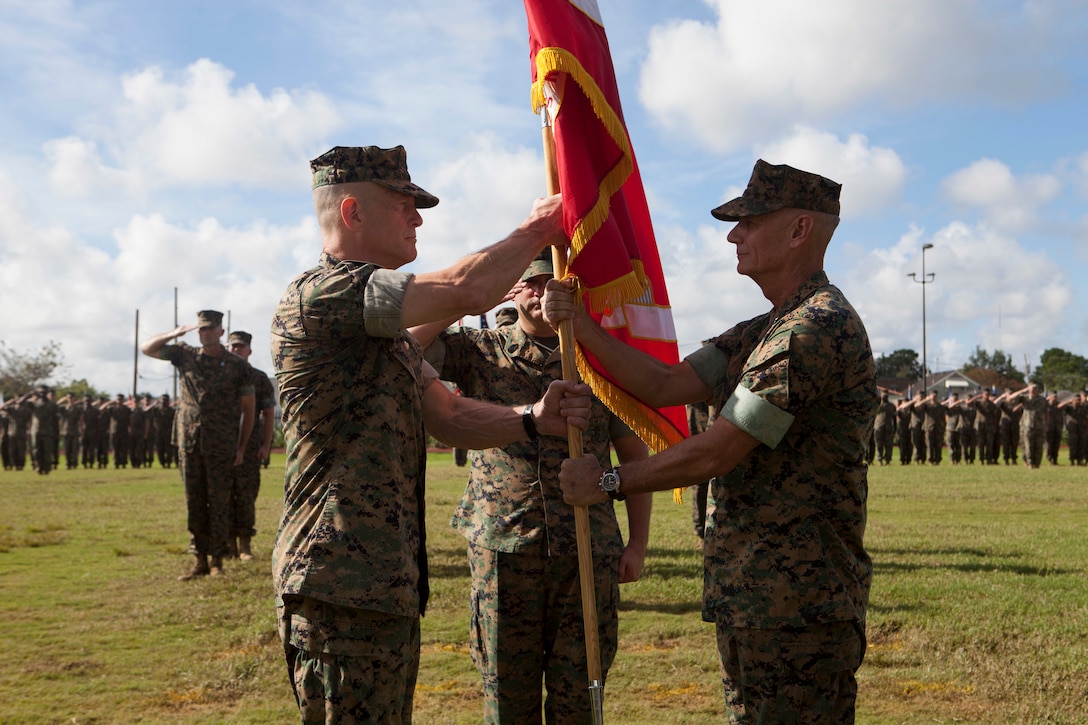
979, 610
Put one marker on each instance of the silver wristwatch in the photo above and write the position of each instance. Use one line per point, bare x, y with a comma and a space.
610, 484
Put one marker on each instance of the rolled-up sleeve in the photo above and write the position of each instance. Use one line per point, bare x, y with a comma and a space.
384, 301
763, 421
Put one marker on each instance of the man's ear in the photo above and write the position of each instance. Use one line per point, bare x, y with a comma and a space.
801, 229
350, 212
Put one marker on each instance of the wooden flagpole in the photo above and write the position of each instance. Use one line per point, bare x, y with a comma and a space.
574, 446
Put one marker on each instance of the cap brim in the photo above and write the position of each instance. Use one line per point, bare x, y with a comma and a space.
740, 208
424, 199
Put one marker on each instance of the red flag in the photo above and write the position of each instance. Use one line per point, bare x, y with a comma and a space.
613, 250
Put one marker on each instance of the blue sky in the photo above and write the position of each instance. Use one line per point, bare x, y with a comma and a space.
148, 146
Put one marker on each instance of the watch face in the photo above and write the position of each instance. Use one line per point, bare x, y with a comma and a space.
610, 481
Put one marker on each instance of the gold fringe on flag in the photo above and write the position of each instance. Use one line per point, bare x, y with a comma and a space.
631, 285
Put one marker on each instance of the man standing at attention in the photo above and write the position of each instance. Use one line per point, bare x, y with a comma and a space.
787, 575
350, 561
216, 389
526, 609
247, 477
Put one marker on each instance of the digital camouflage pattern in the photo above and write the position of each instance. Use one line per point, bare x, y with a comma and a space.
246, 478
385, 167
209, 393
771, 188
513, 502
526, 626
1033, 428
526, 613
791, 676
784, 543
207, 425
351, 390
362, 670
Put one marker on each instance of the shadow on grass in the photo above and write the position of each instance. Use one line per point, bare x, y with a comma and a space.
890, 561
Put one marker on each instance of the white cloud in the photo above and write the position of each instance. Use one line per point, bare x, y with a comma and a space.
763, 67
872, 178
989, 185
985, 284
199, 131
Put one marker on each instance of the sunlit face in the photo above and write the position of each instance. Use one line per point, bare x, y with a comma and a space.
387, 225
528, 302
762, 242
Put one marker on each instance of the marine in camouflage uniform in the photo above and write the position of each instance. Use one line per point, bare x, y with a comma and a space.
985, 421
933, 425
1054, 418
44, 418
349, 564
1032, 410
954, 429
246, 479
18, 424
787, 576
137, 434
1008, 428
120, 417
967, 432
902, 418
70, 433
215, 390
884, 430
88, 423
526, 621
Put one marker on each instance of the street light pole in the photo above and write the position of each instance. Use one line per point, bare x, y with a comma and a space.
926, 279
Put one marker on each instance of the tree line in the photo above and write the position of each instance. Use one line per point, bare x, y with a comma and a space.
1058, 369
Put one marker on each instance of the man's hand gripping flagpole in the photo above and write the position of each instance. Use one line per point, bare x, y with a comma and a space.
574, 445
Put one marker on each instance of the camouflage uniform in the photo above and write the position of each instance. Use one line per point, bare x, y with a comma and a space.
43, 432
88, 422
884, 431
70, 433
699, 419
137, 435
1008, 428
933, 424
350, 556
1033, 429
120, 417
526, 614
786, 572
4, 438
917, 429
906, 445
18, 422
104, 423
1054, 419
968, 438
985, 417
954, 433
246, 478
207, 431
164, 433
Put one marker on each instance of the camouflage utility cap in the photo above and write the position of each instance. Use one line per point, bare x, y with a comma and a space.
541, 265
386, 167
781, 187
209, 318
240, 338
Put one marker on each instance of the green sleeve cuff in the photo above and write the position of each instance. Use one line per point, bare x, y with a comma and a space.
763, 421
384, 301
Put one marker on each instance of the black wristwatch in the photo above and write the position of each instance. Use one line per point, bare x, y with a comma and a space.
610, 484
